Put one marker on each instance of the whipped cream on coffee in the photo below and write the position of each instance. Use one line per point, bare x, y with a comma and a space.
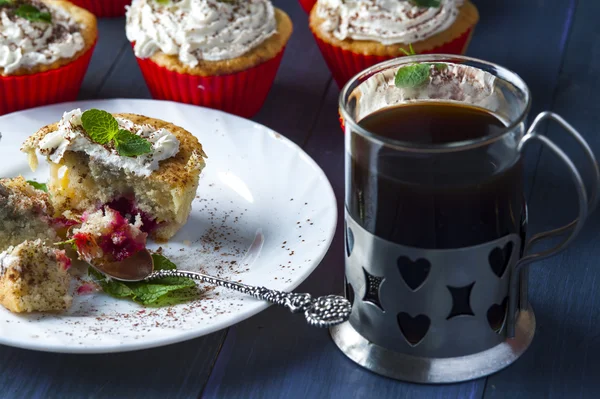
70, 136
451, 83
194, 30
25, 43
385, 21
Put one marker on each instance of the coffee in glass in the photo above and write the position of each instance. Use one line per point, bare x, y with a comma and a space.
436, 219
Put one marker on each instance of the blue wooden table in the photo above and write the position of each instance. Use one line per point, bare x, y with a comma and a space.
555, 46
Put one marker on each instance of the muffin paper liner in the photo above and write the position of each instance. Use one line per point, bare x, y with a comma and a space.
344, 64
241, 93
307, 5
104, 8
49, 87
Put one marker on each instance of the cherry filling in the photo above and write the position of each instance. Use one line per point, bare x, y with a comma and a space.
63, 259
126, 207
119, 244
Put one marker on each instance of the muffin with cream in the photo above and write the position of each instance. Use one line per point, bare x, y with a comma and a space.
45, 48
215, 53
356, 34
104, 8
141, 167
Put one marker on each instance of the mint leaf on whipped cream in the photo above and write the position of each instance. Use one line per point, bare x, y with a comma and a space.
101, 126
163, 1
5, 2
411, 76
130, 145
103, 129
426, 3
33, 14
415, 75
163, 292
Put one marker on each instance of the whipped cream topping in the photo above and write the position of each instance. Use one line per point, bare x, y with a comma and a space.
24, 44
196, 30
70, 136
454, 83
385, 21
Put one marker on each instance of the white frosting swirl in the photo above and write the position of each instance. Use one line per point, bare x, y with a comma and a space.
71, 137
385, 21
199, 29
24, 44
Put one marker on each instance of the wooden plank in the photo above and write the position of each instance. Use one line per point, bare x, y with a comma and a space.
564, 359
124, 79
175, 371
293, 102
111, 42
275, 354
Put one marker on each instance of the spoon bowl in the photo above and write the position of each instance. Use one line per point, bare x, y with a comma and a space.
137, 267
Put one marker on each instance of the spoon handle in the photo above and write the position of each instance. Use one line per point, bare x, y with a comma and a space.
325, 311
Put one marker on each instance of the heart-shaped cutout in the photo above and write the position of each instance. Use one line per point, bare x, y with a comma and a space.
349, 241
415, 328
496, 315
499, 259
414, 273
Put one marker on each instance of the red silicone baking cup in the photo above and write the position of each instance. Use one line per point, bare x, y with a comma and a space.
104, 8
50, 87
241, 93
307, 5
344, 64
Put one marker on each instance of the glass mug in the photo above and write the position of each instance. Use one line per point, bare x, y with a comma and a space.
436, 249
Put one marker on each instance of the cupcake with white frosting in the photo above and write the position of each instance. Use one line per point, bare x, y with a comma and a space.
104, 8
45, 49
221, 54
356, 34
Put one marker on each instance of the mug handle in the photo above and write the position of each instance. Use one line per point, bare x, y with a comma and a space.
586, 206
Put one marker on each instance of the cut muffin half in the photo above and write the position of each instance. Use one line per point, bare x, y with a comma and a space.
25, 213
34, 278
84, 176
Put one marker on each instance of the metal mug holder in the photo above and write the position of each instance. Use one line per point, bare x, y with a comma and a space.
442, 316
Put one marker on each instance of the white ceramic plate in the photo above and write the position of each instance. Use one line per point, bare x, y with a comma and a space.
265, 215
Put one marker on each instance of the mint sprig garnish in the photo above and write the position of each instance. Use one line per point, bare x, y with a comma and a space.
163, 292
412, 76
131, 145
103, 129
426, 3
38, 186
33, 13
100, 125
27, 11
